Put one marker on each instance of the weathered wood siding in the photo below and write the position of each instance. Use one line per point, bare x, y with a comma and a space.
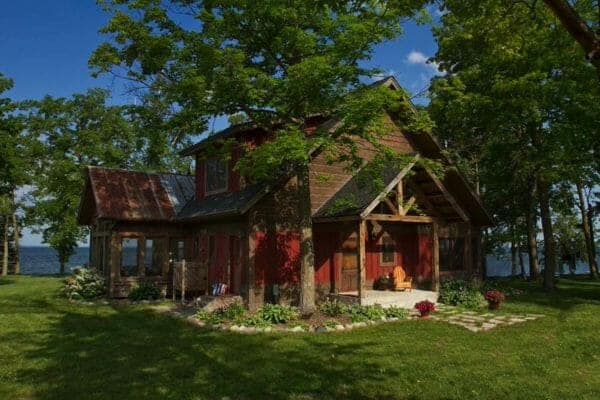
326, 179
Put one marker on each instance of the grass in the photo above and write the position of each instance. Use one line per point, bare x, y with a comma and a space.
51, 349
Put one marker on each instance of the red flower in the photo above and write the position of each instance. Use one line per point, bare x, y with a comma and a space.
425, 306
494, 296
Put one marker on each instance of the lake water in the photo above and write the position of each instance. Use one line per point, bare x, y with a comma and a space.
43, 260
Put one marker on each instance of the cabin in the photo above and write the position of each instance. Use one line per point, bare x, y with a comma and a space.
217, 230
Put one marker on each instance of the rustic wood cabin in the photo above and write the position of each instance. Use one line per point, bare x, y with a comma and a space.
247, 236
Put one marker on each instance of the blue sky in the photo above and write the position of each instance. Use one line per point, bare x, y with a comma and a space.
45, 45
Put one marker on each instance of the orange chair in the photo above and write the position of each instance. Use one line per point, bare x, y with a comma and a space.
401, 281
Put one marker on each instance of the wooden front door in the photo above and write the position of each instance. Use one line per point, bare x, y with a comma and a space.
349, 273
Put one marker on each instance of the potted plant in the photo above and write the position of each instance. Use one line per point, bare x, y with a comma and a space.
382, 283
494, 298
425, 307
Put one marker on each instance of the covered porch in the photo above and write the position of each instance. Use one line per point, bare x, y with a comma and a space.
400, 226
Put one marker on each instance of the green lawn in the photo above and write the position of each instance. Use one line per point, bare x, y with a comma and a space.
51, 349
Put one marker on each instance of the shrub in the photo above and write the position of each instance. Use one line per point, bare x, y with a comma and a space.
396, 312
211, 318
333, 308
234, 311
331, 324
458, 292
257, 321
277, 313
425, 307
84, 284
360, 313
144, 291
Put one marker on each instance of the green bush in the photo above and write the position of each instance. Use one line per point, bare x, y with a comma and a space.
233, 312
457, 292
333, 308
144, 291
211, 318
396, 312
360, 313
85, 284
257, 321
277, 313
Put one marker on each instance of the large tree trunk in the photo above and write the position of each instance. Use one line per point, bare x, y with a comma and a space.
578, 29
531, 220
16, 234
62, 260
5, 248
589, 245
513, 259
549, 245
307, 263
521, 262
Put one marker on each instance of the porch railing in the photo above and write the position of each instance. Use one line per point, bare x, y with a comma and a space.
189, 277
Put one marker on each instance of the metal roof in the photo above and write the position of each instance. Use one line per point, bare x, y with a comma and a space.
139, 196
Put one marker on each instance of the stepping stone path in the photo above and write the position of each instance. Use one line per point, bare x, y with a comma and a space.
473, 321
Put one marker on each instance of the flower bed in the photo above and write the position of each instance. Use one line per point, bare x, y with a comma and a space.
331, 316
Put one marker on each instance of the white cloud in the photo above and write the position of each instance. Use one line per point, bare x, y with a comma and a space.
382, 75
418, 58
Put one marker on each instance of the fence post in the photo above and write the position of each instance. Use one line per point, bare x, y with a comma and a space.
183, 281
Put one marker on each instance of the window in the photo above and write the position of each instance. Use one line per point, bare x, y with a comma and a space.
129, 257
153, 257
388, 251
216, 175
451, 254
177, 250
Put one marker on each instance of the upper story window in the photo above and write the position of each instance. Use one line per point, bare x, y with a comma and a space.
216, 176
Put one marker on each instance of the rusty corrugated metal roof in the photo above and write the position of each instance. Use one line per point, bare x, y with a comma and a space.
139, 196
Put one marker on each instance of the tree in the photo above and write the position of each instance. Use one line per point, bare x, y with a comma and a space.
510, 96
579, 26
276, 63
14, 172
72, 134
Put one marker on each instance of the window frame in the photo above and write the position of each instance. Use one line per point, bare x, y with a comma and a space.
219, 190
382, 247
160, 241
137, 257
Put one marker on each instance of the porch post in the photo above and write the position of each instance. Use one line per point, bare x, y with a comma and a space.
362, 258
435, 281
468, 256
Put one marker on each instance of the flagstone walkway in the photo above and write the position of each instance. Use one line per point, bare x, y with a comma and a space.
477, 321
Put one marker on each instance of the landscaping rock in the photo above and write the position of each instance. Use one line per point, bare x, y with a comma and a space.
213, 303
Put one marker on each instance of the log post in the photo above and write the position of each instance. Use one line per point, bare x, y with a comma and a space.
362, 234
435, 282
468, 255
400, 197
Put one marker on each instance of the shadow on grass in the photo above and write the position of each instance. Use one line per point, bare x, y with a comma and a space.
569, 292
127, 353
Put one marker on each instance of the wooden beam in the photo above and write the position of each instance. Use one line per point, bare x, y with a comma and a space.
423, 197
401, 218
362, 259
435, 281
400, 197
448, 196
343, 218
393, 208
389, 187
409, 204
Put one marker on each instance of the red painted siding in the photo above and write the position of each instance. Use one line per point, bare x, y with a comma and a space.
326, 249
277, 258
